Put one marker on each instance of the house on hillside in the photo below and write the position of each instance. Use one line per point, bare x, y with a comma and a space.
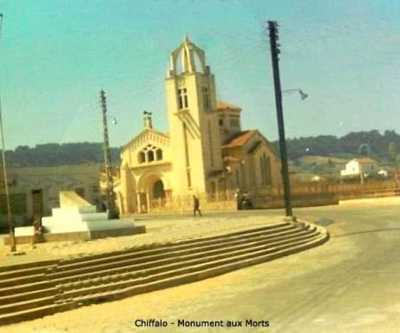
383, 173
359, 167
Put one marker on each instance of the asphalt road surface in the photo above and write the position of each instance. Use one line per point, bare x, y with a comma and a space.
349, 284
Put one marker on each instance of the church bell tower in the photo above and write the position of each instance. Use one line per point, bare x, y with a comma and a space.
192, 116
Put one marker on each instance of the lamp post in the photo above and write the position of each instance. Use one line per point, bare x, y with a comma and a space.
13, 243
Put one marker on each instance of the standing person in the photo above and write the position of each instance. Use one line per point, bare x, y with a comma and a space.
196, 205
37, 231
238, 197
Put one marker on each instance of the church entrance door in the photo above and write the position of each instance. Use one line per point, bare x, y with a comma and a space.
158, 190
158, 194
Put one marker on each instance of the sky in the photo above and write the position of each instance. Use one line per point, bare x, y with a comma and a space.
56, 55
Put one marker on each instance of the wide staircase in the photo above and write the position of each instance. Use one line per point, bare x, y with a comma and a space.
33, 290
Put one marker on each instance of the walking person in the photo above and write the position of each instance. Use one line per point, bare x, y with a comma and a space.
196, 205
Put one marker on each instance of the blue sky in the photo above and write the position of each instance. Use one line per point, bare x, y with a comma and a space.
55, 56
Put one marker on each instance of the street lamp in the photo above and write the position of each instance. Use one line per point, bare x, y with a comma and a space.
303, 95
274, 47
275, 51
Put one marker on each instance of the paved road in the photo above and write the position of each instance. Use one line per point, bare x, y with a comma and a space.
350, 284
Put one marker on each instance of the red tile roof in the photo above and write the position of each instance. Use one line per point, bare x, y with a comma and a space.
366, 160
231, 159
224, 106
239, 139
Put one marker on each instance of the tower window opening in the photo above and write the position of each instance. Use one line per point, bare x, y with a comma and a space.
183, 98
221, 122
234, 122
206, 100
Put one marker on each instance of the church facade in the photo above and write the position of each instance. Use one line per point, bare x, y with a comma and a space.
205, 151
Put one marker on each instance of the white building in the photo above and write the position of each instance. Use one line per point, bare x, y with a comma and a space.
383, 173
359, 167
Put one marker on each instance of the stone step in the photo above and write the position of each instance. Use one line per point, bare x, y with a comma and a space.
160, 248
152, 262
27, 304
186, 267
190, 267
161, 266
28, 271
170, 270
31, 279
30, 295
20, 289
167, 254
111, 292
28, 279
34, 313
28, 265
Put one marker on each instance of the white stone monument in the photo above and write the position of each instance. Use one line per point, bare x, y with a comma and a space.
77, 219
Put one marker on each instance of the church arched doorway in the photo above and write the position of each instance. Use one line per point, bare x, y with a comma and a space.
158, 190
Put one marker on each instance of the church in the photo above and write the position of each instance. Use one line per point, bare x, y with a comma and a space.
205, 152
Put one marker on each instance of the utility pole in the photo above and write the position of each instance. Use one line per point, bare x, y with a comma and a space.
13, 243
273, 38
111, 209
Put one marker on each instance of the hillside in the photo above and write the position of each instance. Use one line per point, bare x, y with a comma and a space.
54, 154
382, 147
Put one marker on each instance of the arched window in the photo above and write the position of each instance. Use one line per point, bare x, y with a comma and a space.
150, 153
150, 156
141, 157
265, 168
268, 177
159, 154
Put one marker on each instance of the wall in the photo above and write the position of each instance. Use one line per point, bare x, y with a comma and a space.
50, 180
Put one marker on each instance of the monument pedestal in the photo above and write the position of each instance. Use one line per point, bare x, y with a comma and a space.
76, 219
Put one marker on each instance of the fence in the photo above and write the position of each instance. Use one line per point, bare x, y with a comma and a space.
349, 190
302, 195
184, 203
